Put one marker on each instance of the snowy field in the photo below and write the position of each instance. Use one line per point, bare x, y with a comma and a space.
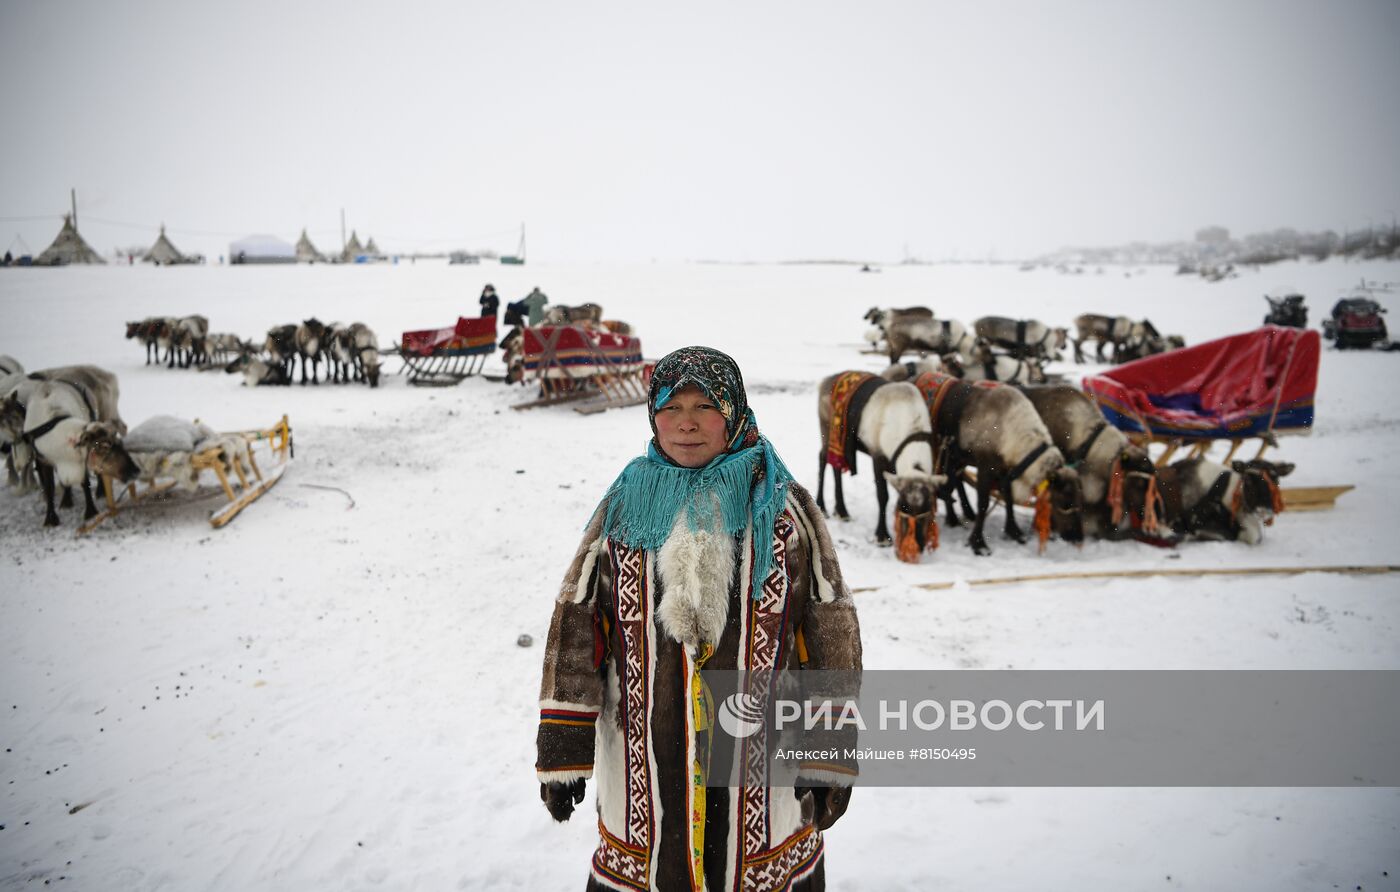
318, 697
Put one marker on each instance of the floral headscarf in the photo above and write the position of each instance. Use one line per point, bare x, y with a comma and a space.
743, 488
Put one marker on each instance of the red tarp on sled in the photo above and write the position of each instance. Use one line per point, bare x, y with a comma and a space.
469, 335
1245, 385
571, 351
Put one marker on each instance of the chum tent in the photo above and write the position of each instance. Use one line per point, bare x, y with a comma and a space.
352, 249
261, 249
306, 252
163, 252
68, 247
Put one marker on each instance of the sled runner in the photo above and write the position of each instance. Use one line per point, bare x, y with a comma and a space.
228, 455
442, 357
1257, 384
597, 370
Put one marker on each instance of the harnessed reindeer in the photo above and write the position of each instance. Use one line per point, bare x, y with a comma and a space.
1210, 501
1118, 478
887, 421
995, 429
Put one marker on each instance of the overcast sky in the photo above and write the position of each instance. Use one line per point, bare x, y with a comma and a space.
748, 130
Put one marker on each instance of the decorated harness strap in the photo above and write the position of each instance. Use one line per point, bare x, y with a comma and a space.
849, 394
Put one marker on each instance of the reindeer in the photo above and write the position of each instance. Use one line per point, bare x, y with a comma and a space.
366, 352
191, 333
985, 365
1210, 501
310, 335
12, 377
339, 356
68, 403
880, 316
889, 423
587, 315
222, 347
513, 355
937, 336
165, 330
1022, 338
1105, 330
1148, 343
281, 348
1118, 478
258, 372
995, 429
146, 330
912, 368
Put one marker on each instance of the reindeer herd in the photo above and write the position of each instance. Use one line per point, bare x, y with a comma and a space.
978, 409
1014, 351
62, 427
351, 351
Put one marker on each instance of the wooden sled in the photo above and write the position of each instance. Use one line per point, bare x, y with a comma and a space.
1313, 498
252, 481
596, 371
442, 357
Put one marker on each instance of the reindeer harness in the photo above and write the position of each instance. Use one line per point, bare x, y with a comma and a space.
849, 396
1078, 454
31, 435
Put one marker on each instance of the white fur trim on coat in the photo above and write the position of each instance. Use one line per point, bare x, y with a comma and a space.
696, 568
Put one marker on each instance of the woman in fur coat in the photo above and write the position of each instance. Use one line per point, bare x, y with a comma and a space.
703, 553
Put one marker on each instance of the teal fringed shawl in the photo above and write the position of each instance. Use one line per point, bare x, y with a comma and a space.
645, 499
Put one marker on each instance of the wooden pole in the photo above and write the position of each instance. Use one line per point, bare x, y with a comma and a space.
1344, 569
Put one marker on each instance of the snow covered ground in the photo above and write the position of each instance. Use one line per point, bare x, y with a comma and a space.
324, 697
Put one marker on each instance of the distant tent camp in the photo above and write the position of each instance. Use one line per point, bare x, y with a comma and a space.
306, 252
68, 247
261, 249
352, 249
163, 252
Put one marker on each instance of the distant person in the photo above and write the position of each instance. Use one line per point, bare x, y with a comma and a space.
534, 305
490, 303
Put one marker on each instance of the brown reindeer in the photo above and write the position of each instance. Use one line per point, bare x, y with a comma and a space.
147, 331
310, 341
995, 429
936, 336
1022, 338
281, 348
1115, 331
1118, 478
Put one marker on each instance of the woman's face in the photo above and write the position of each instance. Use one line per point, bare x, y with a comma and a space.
690, 428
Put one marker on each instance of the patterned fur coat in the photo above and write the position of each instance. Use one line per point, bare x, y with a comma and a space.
614, 706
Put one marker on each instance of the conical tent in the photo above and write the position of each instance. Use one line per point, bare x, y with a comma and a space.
371, 248
306, 252
163, 252
352, 248
68, 247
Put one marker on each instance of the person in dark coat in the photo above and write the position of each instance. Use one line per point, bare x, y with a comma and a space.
489, 301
